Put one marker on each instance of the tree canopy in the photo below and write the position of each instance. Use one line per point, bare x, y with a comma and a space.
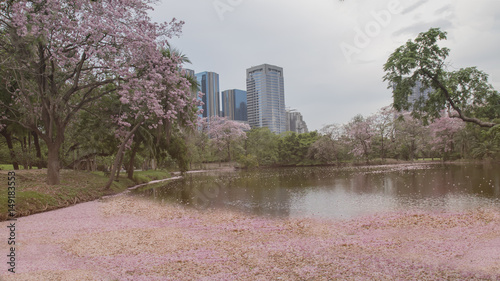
465, 93
59, 57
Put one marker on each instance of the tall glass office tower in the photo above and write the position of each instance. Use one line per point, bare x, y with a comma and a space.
295, 122
190, 73
209, 85
419, 93
266, 97
234, 104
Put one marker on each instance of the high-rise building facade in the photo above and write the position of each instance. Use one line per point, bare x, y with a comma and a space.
419, 93
234, 104
209, 85
190, 74
295, 122
266, 97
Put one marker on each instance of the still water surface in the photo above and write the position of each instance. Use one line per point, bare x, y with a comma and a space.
338, 192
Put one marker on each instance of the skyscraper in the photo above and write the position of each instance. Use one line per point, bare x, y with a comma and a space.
209, 85
295, 122
266, 97
189, 73
419, 93
234, 104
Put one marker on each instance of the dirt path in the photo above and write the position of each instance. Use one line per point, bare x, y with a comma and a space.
126, 238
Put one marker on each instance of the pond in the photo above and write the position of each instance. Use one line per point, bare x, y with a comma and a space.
340, 193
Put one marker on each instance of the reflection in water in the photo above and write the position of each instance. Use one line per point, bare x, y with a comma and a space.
339, 193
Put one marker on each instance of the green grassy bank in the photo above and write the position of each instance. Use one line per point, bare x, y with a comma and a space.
33, 195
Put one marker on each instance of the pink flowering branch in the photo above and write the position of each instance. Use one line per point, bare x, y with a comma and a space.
62, 56
361, 133
223, 132
443, 132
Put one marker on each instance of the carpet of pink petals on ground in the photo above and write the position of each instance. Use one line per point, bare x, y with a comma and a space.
127, 238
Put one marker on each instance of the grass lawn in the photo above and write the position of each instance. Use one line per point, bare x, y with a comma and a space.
10, 167
33, 195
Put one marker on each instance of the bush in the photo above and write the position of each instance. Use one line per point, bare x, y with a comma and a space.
248, 161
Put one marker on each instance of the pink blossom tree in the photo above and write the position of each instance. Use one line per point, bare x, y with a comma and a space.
410, 135
59, 57
331, 146
172, 103
383, 123
443, 132
224, 132
323, 150
361, 132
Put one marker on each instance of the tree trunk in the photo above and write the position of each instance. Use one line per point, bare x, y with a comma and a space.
383, 148
460, 115
412, 149
53, 177
119, 155
119, 167
130, 167
36, 141
30, 163
114, 167
8, 139
24, 149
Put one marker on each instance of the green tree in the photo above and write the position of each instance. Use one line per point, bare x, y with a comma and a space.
178, 150
486, 149
61, 63
293, 148
324, 150
92, 133
341, 142
466, 93
198, 147
410, 136
263, 144
487, 144
383, 123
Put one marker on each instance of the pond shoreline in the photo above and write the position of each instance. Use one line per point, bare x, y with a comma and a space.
34, 195
375, 163
42, 198
338, 192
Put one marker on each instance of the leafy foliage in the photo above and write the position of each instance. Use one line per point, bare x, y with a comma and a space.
466, 93
263, 145
224, 133
55, 66
293, 148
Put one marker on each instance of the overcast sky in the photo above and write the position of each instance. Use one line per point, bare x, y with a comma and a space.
332, 52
